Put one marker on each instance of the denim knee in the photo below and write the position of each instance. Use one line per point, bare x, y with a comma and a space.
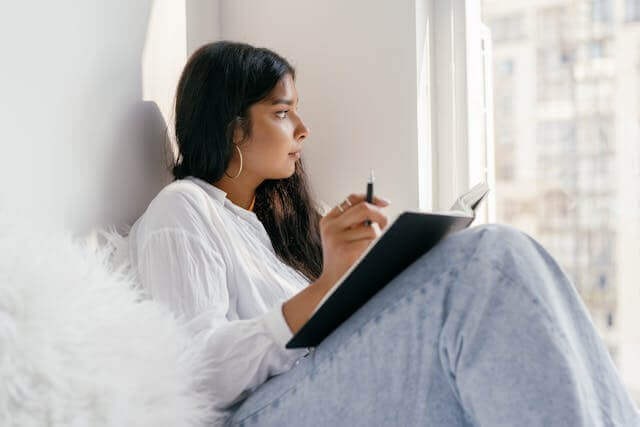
493, 239
516, 255
484, 240
476, 254
493, 247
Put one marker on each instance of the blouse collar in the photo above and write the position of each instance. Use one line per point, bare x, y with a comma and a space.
211, 189
221, 196
250, 216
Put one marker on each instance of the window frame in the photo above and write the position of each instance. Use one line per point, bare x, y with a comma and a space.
460, 120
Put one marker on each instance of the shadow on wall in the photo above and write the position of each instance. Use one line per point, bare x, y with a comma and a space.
136, 164
119, 155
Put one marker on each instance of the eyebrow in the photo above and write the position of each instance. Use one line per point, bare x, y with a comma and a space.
283, 101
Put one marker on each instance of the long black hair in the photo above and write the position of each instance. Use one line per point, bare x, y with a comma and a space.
219, 83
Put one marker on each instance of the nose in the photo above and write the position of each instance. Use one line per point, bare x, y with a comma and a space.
302, 131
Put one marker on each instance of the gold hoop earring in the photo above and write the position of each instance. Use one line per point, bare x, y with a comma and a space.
240, 170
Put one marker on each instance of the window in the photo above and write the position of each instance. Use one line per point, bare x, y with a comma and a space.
632, 10
553, 73
601, 10
507, 28
566, 153
596, 49
550, 24
460, 49
505, 68
603, 282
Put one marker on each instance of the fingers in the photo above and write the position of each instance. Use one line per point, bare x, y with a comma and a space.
361, 245
354, 199
358, 214
362, 232
376, 228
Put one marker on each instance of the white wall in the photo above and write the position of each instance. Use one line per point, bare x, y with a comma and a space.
88, 91
356, 79
86, 88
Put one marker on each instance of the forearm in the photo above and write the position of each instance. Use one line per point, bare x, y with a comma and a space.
298, 309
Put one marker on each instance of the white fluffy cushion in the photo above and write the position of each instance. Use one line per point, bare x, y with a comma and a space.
80, 346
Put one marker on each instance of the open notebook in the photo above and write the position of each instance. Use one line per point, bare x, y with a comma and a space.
402, 242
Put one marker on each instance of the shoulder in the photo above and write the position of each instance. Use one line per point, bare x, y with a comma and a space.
182, 193
180, 204
181, 215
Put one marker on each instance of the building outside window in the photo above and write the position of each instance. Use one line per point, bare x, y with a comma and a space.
508, 27
567, 150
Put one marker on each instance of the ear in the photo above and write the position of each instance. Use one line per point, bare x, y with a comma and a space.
234, 131
238, 130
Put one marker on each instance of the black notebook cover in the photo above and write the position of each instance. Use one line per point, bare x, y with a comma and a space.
411, 235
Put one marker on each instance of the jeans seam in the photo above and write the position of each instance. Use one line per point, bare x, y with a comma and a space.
265, 406
536, 301
452, 385
535, 304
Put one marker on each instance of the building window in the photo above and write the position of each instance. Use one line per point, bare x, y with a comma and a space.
507, 28
596, 49
553, 73
601, 10
603, 281
632, 10
551, 24
505, 68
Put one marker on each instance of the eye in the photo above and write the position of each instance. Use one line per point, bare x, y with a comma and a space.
283, 111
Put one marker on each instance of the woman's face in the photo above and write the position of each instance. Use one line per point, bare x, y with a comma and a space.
277, 131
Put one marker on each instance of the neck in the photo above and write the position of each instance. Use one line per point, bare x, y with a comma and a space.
241, 191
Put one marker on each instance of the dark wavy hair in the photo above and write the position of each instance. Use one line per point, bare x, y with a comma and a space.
219, 83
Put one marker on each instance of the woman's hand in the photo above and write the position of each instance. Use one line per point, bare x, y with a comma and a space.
345, 236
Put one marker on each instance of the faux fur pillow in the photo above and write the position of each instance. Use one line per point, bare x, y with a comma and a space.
80, 345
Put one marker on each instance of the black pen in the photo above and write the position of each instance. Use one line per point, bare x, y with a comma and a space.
370, 193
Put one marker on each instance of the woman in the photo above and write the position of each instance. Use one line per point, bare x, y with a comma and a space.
483, 330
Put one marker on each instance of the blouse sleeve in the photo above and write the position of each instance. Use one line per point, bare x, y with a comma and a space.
186, 274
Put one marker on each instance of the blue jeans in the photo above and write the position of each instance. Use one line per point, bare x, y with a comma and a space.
485, 329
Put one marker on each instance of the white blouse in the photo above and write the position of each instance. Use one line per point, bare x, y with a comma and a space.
212, 263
